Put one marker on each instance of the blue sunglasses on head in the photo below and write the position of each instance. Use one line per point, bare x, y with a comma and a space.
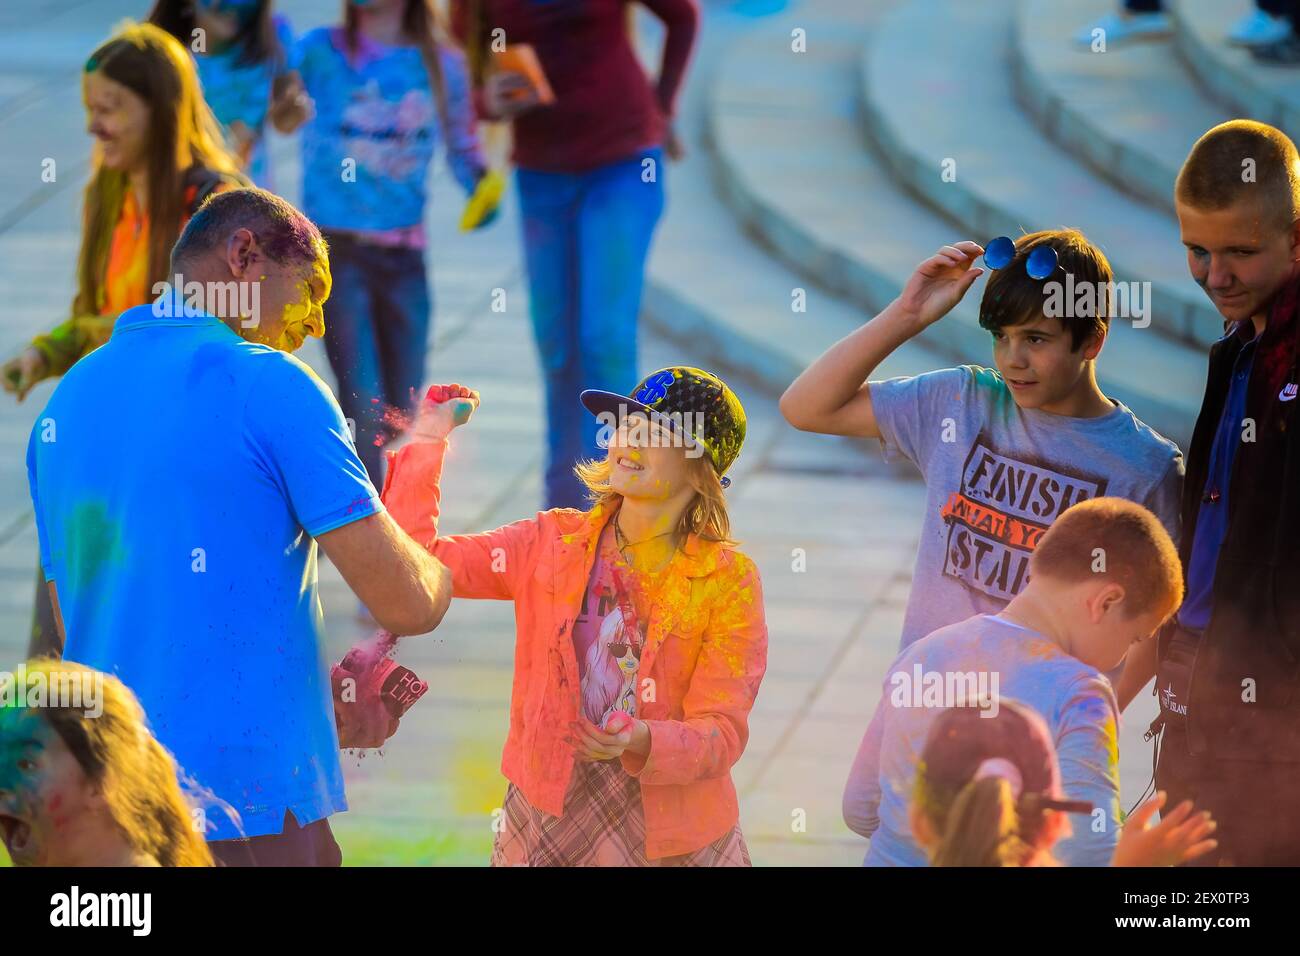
1039, 264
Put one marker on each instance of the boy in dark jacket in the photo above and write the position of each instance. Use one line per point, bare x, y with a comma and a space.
1229, 665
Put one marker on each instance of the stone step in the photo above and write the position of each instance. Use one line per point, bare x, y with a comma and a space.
1131, 112
714, 290
1007, 179
1270, 94
1005, 175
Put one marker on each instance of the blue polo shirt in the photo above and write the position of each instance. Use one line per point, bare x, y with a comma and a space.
180, 476
1212, 516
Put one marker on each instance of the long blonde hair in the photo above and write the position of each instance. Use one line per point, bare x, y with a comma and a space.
981, 826
183, 134
136, 774
705, 516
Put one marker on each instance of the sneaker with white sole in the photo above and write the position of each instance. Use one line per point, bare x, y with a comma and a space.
1259, 29
1117, 28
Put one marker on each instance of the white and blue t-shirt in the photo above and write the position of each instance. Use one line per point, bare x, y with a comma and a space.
180, 475
367, 150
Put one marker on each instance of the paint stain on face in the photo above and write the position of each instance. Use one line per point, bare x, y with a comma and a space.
26, 743
295, 317
57, 820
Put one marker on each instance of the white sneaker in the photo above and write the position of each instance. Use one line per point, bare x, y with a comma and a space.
1259, 29
1120, 29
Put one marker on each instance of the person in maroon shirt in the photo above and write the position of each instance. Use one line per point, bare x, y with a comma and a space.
590, 179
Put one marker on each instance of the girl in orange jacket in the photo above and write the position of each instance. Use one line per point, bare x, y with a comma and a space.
640, 636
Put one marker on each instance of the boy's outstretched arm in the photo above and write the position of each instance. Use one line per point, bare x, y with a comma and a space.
832, 396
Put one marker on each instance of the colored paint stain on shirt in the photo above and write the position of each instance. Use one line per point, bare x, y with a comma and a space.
94, 540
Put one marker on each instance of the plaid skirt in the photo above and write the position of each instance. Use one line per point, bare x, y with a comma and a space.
603, 825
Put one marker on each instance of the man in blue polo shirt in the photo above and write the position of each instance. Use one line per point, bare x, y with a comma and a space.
182, 476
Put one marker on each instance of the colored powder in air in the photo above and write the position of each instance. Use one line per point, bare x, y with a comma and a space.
396, 419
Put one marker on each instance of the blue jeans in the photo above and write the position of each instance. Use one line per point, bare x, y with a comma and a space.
376, 331
586, 237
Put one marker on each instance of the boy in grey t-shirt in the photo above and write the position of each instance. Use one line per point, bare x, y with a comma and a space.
1003, 452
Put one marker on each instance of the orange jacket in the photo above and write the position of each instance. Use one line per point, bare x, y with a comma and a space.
705, 653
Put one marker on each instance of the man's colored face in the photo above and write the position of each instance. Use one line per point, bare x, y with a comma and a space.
119, 121
1240, 256
292, 297
1038, 364
43, 790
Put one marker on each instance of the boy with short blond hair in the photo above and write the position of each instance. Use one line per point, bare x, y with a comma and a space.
1104, 577
1227, 679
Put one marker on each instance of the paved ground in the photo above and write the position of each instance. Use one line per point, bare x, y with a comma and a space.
429, 797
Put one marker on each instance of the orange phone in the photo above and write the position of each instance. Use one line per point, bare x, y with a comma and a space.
522, 58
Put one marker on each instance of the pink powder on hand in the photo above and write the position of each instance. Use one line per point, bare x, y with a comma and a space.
366, 654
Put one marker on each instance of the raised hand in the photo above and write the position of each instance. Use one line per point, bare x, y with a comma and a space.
941, 281
1180, 836
291, 105
23, 371
444, 408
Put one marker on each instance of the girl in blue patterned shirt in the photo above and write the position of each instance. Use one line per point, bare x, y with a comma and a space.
384, 92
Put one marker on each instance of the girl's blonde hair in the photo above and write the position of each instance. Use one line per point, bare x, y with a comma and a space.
705, 516
183, 134
136, 775
980, 826
964, 789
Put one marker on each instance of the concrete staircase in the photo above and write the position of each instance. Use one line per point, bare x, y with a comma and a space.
1130, 114
832, 158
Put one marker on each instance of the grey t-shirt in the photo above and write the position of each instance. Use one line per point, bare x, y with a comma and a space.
998, 475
